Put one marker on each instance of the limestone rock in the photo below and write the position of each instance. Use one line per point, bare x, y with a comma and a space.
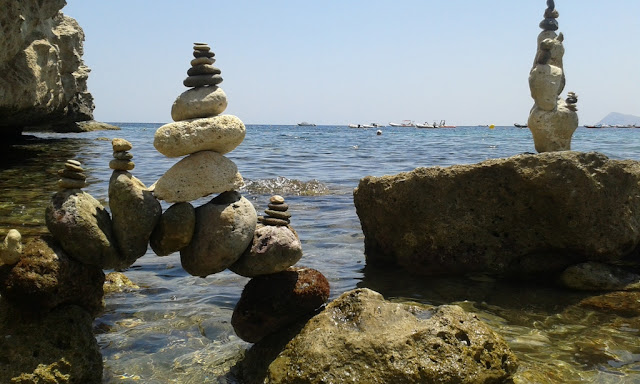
199, 102
273, 249
57, 347
545, 82
174, 230
223, 230
83, 227
524, 215
626, 304
593, 276
272, 302
46, 278
11, 248
219, 134
43, 76
196, 176
116, 282
134, 214
360, 335
552, 130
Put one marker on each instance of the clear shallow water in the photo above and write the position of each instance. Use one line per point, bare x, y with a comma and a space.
176, 328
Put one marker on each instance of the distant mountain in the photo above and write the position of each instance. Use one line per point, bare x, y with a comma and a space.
615, 118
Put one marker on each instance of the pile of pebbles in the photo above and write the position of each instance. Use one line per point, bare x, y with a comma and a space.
121, 155
72, 176
277, 214
202, 71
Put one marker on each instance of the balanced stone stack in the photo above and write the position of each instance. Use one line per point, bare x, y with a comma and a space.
277, 213
72, 176
135, 211
220, 230
552, 120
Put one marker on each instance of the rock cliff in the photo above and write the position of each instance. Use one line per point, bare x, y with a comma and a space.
44, 80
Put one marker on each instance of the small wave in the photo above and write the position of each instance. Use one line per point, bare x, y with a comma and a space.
283, 186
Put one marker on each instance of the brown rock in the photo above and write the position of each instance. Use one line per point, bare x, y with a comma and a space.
175, 229
272, 302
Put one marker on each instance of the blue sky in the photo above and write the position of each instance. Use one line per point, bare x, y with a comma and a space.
357, 61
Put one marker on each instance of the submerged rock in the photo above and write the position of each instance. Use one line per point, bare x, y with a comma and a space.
270, 303
361, 337
57, 347
83, 228
223, 230
116, 282
527, 215
594, 276
135, 212
46, 278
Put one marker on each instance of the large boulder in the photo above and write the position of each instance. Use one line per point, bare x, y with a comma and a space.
360, 336
83, 227
196, 176
223, 230
527, 214
135, 212
43, 76
46, 278
220, 134
57, 347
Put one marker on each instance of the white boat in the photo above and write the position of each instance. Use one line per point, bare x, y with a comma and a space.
405, 123
427, 125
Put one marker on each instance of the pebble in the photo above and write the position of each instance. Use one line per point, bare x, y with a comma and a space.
72, 175
121, 165
203, 69
273, 221
549, 24
278, 214
276, 199
122, 155
74, 162
67, 183
202, 60
120, 145
198, 54
73, 167
202, 80
201, 47
278, 207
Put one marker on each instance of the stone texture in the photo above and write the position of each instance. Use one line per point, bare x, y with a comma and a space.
196, 176
626, 304
174, 230
134, 214
219, 134
46, 278
117, 282
272, 250
43, 75
553, 130
270, 303
199, 102
83, 227
594, 276
58, 347
223, 230
11, 248
362, 337
528, 215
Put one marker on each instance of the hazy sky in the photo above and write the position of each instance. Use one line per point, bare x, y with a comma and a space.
357, 61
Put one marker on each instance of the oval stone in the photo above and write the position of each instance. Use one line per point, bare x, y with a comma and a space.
196, 176
203, 69
199, 102
219, 134
202, 80
224, 229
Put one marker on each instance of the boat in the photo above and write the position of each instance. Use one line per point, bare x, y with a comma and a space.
443, 124
305, 124
405, 123
427, 125
372, 125
593, 126
520, 125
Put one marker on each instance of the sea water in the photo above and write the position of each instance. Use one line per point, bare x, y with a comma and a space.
176, 327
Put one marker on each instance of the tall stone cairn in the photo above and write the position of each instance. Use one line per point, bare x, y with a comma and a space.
552, 120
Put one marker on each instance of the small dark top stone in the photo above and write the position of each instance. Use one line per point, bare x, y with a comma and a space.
197, 54
549, 24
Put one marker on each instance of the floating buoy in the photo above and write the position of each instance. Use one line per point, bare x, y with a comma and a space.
378, 132
492, 126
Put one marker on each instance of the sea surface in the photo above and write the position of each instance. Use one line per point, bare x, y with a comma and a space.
176, 327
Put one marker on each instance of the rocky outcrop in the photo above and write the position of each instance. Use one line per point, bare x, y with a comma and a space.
528, 215
43, 76
360, 337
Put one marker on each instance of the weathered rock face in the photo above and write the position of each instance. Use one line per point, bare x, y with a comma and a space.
363, 337
525, 214
58, 347
46, 278
43, 76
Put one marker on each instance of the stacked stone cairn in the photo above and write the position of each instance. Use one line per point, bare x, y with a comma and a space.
224, 233
72, 176
552, 120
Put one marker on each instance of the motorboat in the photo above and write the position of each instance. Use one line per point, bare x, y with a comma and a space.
520, 125
443, 124
427, 125
405, 123
305, 124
